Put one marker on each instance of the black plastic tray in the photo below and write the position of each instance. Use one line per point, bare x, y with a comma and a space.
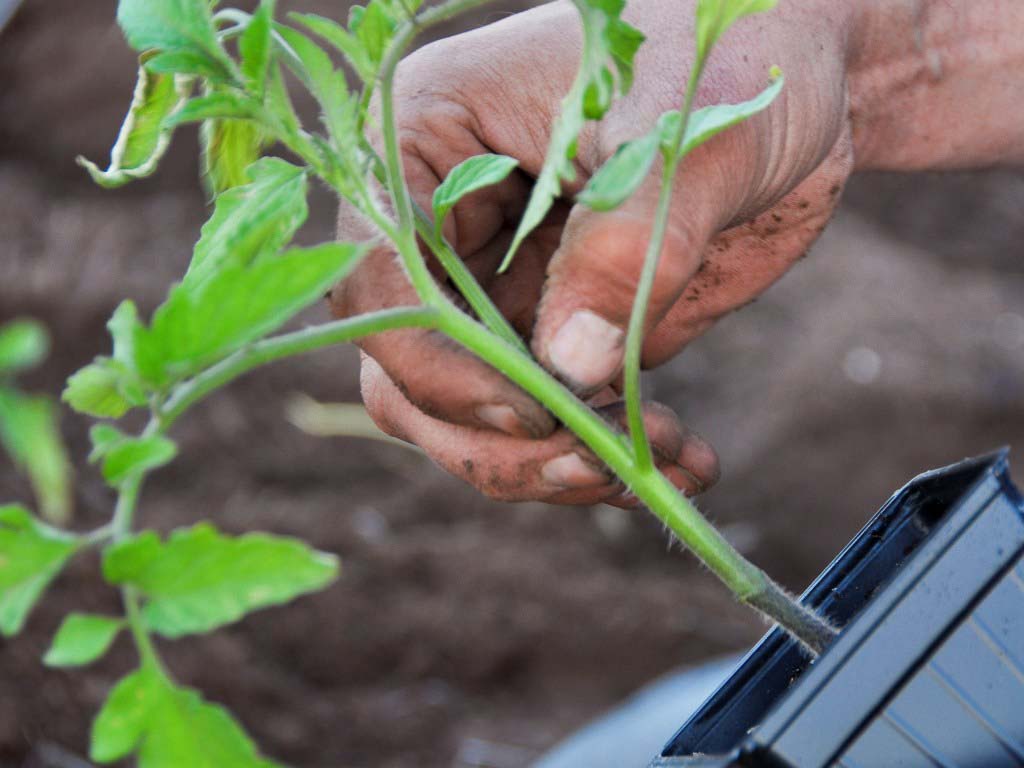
929, 667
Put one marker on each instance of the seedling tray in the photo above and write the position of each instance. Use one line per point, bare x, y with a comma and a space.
928, 669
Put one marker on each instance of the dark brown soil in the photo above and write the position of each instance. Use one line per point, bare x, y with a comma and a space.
462, 625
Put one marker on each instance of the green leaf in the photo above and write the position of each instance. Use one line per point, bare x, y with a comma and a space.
347, 44
103, 438
279, 106
124, 720
314, 68
609, 46
254, 46
110, 387
237, 305
714, 17
213, 106
23, 344
252, 220
375, 28
96, 390
172, 25
169, 727
229, 147
135, 455
199, 579
31, 555
710, 121
622, 174
30, 432
184, 62
143, 139
81, 639
469, 176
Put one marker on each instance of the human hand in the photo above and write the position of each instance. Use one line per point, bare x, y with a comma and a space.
750, 204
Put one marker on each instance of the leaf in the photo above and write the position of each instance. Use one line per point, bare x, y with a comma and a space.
184, 62
81, 639
133, 456
23, 344
229, 147
622, 174
609, 45
714, 17
95, 390
251, 220
375, 28
200, 579
314, 68
469, 176
31, 555
254, 46
110, 387
172, 25
169, 727
30, 431
197, 326
213, 106
347, 44
710, 121
103, 438
143, 139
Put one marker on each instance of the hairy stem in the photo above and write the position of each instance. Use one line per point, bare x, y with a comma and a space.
747, 581
289, 344
638, 315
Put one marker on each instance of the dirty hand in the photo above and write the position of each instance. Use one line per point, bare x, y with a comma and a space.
749, 204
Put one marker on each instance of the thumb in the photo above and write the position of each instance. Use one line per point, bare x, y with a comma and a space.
580, 333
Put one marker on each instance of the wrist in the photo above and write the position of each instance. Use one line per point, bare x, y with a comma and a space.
936, 83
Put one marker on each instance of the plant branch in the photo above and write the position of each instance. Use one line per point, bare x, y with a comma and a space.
747, 581
289, 344
638, 315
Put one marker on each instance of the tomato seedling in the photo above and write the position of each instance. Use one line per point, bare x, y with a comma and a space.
224, 69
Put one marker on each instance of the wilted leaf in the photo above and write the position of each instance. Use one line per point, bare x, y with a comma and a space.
469, 176
229, 147
81, 639
143, 138
200, 579
31, 555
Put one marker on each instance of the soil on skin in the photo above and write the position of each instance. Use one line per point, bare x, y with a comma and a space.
463, 628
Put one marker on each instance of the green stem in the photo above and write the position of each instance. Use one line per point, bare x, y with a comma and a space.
468, 287
747, 581
408, 249
289, 344
638, 315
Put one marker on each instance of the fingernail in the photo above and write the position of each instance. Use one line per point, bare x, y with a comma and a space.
587, 350
570, 471
505, 419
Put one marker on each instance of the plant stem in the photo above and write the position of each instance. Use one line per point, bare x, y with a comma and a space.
289, 344
408, 249
747, 581
638, 315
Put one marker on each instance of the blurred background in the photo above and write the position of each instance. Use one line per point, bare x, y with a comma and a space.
463, 632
